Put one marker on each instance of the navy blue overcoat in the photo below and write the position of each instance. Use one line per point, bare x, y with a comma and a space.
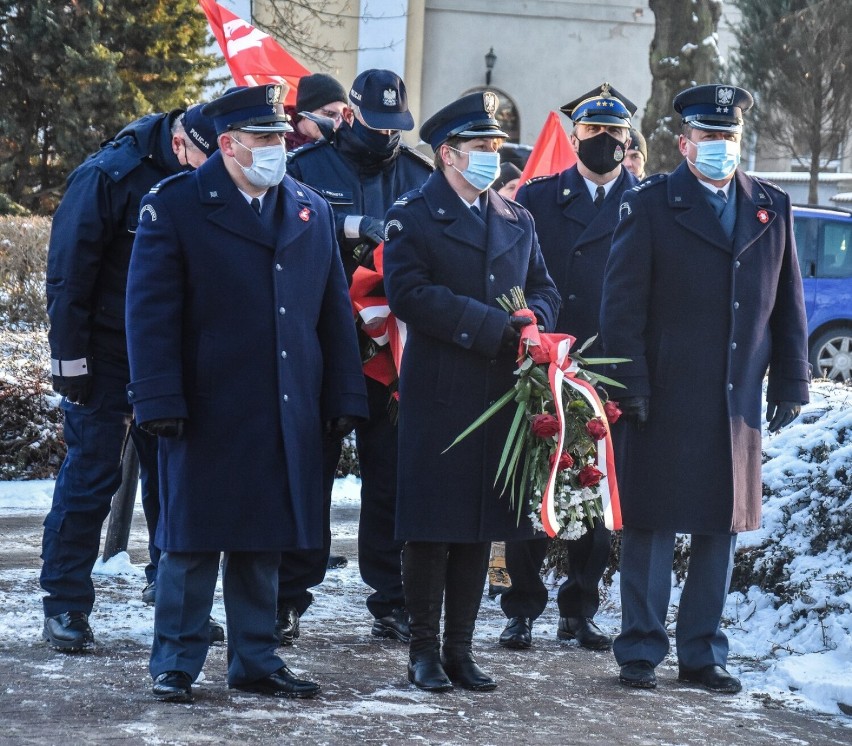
702, 317
575, 237
444, 271
245, 329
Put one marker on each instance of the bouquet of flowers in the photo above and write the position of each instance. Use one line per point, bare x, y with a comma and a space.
558, 451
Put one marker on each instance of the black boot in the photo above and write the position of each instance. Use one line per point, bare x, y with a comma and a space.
423, 571
466, 571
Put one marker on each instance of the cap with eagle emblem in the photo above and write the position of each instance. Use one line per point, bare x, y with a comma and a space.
381, 98
602, 105
469, 117
717, 107
256, 109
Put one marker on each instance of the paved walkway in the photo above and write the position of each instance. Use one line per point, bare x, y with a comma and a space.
554, 693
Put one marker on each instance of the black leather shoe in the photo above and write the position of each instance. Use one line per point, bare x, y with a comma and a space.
217, 631
68, 632
173, 686
462, 670
426, 672
585, 631
393, 625
517, 633
149, 594
638, 674
336, 561
713, 677
282, 683
287, 625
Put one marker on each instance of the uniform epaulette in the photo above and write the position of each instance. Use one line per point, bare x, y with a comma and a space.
414, 152
408, 197
160, 184
768, 183
307, 147
117, 158
649, 182
537, 179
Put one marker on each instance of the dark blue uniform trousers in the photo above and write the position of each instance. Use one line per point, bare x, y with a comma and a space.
579, 594
89, 477
646, 582
379, 553
186, 582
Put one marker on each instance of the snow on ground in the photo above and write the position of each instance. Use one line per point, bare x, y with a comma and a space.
796, 650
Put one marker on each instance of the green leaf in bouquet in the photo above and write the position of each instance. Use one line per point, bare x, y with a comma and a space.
484, 417
517, 450
596, 378
605, 360
585, 345
525, 485
510, 438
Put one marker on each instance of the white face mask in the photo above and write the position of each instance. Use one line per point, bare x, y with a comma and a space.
268, 164
483, 168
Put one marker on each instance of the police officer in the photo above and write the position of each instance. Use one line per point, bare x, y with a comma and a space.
575, 213
702, 293
361, 171
637, 154
90, 243
452, 248
241, 351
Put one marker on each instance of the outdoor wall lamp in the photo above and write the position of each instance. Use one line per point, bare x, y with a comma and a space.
490, 59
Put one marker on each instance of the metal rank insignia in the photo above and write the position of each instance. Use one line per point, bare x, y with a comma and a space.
490, 102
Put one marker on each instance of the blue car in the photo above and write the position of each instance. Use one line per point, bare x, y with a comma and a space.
824, 244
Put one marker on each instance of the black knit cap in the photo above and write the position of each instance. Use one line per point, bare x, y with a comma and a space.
317, 90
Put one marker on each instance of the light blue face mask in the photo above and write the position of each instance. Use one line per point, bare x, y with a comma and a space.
716, 159
483, 168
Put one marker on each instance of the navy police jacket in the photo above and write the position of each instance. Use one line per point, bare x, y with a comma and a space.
701, 318
575, 238
355, 184
90, 243
242, 326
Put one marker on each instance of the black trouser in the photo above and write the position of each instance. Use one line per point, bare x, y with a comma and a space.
439, 575
579, 594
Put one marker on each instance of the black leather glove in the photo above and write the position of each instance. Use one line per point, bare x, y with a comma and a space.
635, 409
363, 254
340, 427
781, 413
169, 427
372, 229
512, 331
76, 389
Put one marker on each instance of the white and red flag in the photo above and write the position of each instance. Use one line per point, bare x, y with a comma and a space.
253, 57
551, 153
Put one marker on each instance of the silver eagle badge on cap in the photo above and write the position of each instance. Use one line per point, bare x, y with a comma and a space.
389, 97
724, 95
489, 103
273, 94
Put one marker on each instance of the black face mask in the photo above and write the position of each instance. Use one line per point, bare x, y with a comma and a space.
601, 153
374, 140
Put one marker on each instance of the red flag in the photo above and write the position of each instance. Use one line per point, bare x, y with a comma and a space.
551, 153
253, 57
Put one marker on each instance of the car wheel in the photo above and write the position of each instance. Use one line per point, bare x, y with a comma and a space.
831, 354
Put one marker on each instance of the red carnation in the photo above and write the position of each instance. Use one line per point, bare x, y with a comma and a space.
566, 461
596, 428
589, 476
544, 426
612, 412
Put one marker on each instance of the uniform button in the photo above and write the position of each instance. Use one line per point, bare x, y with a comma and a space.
130, 394
737, 264
613, 366
282, 310
572, 297
285, 398
491, 277
463, 335
578, 253
278, 267
283, 353
736, 304
492, 362
733, 345
730, 387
